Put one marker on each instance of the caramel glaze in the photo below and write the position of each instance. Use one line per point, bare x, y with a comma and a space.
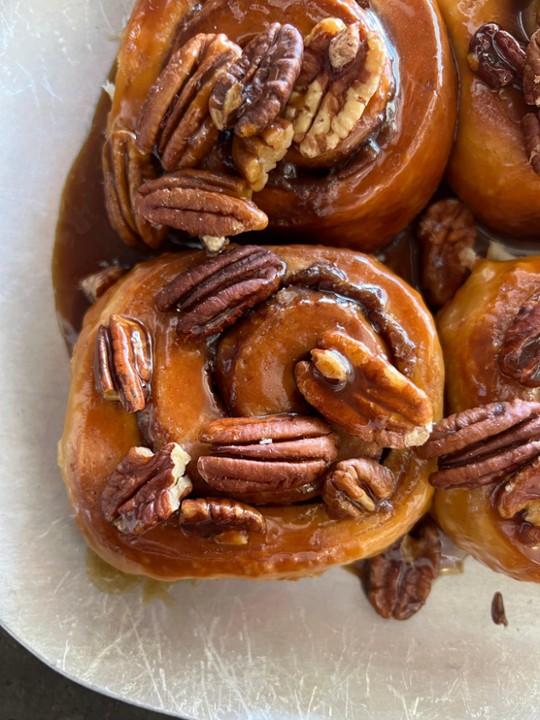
471, 329
300, 539
489, 168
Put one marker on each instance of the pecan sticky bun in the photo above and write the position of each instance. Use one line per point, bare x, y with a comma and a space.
329, 123
488, 499
252, 413
495, 162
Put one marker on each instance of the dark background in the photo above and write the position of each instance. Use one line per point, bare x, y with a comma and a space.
29, 690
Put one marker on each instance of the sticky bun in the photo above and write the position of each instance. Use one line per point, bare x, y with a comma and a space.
252, 413
328, 122
495, 162
488, 499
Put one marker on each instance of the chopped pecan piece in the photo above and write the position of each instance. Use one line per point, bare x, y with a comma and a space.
257, 155
521, 494
123, 362
477, 446
214, 294
226, 521
97, 284
146, 489
447, 232
530, 125
498, 614
375, 401
253, 91
496, 56
175, 116
519, 356
200, 203
343, 69
125, 169
276, 459
356, 486
400, 579
531, 75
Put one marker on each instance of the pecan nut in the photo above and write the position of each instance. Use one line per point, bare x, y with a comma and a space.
125, 169
200, 203
400, 579
370, 399
496, 56
145, 489
96, 284
225, 521
498, 614
344, 69
447, 232
356, 486
519, 356
477, 446
530, 126
253, 91
531, 75
123, 362
277, 458
256, 156
175, 117
214, 294
521, 495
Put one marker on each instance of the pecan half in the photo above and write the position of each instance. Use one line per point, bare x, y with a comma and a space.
146, 489
496, 56
343, 70
175, 116
97, 284
226, 521
519, 356
125, 169
356, 486
201, 203
253, 91
372, 399
521, 494
531, 75
530, 125
123, 362
213, 295
276, 459
477, 446
257, 155
400, 579
447, 232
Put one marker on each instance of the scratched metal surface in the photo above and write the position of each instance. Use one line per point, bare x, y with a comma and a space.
211, 650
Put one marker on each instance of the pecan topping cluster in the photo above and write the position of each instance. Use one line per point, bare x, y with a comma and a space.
256, 103
519, 355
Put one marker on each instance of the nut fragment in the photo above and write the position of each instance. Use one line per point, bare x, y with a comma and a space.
498, 614
356, 486
447, 232
226, 521
519, 356
257, 155
125, 169
252, 92
211, 296
378, 403
400, 579
97, 284
521, 494
123, 362
277, 458
477, 446
200, 203
175, 116
531, 75
146, 489
530, 125
496, 56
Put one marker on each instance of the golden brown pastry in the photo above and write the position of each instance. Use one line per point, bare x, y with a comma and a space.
495, 162
329, 122
251, 413
489, 499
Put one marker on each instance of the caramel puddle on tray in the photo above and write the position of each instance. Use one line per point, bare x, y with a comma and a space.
115, 582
